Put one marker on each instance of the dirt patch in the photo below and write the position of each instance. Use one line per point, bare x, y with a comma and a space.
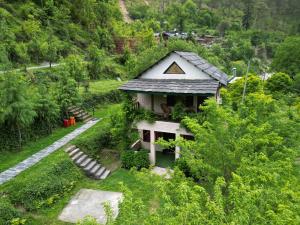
124, 11
110, 159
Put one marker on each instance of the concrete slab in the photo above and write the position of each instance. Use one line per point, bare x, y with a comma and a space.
162, 172
89, 202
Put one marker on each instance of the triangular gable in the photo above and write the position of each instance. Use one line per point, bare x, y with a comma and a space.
174, 69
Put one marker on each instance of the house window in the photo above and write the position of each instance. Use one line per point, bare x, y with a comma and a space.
174, 69
188, 137
146, 135
189, 101
171, 101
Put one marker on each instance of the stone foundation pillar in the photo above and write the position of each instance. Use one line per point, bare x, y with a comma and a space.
152, 147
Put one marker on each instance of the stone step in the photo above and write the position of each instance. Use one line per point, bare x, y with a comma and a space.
81, 159
77, 156
71, 107
73, 152
105, 174
99, 172
85, 162
94, 169
88, 119
85, 116
82, 115
90, 166
70, 148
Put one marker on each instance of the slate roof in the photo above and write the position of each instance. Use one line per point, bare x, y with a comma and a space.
172, 86
204, 66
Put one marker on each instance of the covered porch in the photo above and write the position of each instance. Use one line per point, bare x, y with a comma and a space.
150, 133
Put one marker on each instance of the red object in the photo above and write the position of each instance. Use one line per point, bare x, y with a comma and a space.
72, 121
66, 123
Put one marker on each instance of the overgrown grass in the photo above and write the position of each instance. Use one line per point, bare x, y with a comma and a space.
102, 86
9, 159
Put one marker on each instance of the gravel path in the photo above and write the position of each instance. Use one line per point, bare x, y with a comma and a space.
32, 160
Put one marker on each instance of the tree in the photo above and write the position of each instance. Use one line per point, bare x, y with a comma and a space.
16, 105
287, 57
96, 64
46, 109
66, 93
248, 13
21, 52
279, 82
75, 66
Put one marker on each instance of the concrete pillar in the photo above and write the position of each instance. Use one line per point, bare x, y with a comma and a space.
195, 103
152, 147
177, 149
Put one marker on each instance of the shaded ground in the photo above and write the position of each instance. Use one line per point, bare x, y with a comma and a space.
165, 160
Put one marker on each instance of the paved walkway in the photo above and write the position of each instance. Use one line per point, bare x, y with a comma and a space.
41, 66
14, 171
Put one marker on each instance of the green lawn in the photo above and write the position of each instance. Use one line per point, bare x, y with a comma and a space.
49, 215
9, 159
102, 86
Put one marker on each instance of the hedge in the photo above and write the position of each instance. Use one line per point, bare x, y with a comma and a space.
43, 190
138, 159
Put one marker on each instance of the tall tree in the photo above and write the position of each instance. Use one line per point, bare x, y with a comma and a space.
16, 104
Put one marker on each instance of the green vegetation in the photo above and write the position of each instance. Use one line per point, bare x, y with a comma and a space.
239, 169
101, 86
9, 159
139, 159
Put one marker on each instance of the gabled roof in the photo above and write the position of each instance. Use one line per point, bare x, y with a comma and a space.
204, 66
172, 86
181, 86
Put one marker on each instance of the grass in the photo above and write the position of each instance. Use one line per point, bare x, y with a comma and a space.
102, 86
9, 159
102, 112
49, 216
165, 160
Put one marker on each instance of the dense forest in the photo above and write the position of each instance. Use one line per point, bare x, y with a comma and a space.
242, 166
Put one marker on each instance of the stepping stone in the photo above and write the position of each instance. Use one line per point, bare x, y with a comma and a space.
99, 172
86, 162
81, 159
89, 202
105, 174
74, 152
90, 166
75, 157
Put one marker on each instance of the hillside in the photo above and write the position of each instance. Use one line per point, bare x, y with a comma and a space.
37, 31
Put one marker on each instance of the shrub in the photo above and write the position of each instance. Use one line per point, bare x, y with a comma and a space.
7, 212
138, 159
279, 82
127, 159
141, 159
43, 190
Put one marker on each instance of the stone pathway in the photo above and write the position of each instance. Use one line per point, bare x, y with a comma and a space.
14, 171
162, 172
89, 202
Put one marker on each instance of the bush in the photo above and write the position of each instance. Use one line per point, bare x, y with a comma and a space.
141, 159
127, 159
138, 159
7, 212
43, 190
279, 82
